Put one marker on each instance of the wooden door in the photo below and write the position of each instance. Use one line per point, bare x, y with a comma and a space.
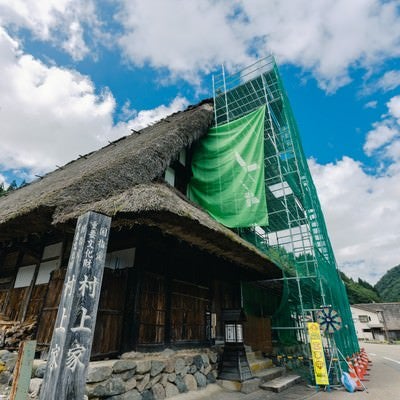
109, 322
189, 305
151, 309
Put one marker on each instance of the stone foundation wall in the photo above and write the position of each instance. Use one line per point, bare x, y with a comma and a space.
144, 376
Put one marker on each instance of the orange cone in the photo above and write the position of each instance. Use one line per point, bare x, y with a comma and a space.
358, 369
365, 354
354, 376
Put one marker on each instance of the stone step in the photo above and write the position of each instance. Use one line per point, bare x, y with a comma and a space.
281, 383
254, 355
257, 366
269, 374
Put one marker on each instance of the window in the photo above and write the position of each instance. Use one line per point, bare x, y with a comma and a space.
364, 318
170, 176
52, 251
121, 259
182, 157
44, 271
24, 276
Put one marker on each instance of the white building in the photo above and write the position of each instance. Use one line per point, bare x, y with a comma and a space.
368, 323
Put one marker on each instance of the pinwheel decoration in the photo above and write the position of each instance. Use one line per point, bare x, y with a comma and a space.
329, 320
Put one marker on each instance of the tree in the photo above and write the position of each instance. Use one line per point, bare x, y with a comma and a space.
388, 286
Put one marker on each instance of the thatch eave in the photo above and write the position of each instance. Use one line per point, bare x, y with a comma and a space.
159, 205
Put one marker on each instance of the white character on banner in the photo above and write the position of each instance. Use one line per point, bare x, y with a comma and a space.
53, 358
61, 328
88, 285
84, 318
74, 356
103, 232
69, 286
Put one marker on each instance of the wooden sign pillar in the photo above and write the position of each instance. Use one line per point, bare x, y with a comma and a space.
23, 370
70, 348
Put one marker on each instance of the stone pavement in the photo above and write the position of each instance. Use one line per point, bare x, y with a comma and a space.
215, 392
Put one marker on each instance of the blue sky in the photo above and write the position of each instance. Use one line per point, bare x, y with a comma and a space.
78, 74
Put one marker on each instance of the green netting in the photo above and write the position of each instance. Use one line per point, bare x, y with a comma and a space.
228, 172
296, 238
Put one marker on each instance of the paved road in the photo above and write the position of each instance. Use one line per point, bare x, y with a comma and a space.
384, 383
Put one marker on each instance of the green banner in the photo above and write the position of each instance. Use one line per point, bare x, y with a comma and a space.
228, 172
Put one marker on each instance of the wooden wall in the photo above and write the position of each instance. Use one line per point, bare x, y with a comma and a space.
257, 333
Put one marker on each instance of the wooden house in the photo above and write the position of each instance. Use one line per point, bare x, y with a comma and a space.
171, 269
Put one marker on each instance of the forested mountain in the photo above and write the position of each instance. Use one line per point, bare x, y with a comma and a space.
388, 286
360, 291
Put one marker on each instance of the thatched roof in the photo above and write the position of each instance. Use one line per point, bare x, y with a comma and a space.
134, 159
122, 181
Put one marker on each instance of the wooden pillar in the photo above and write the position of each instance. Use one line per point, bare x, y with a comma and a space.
70, 348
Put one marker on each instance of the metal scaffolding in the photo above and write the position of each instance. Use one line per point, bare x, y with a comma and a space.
296, 237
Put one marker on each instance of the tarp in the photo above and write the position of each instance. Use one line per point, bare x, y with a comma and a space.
228, 172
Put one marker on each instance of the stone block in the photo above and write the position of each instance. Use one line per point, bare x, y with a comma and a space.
110, 387
180, 366
170, 365
206, 360
99, 371
188, 360
143, 366
143, 383
180, 384
201, 379
147, 395
192, 369
172, 377
157, 367
124, 365
190, 382
164, 379
130, 384
198, 361
127, 374
158, 391
171, 390
211, 378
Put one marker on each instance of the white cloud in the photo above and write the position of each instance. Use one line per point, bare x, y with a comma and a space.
57, 21
184, 37
362, 210
385, 135
50, 115
324, 37
394, 107
381, 135
191, 38
389, 81
147, 117
371, 104
362, 213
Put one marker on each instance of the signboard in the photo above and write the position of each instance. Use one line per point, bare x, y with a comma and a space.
317, 352
23, 370
71, 343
